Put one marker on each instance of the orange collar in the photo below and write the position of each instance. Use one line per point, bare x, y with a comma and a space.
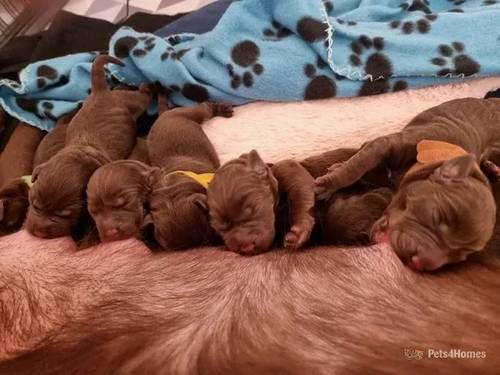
429, 152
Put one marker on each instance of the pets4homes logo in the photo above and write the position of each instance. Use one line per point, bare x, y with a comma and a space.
419, 354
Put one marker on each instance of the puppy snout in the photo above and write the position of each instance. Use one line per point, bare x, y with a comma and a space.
240, 243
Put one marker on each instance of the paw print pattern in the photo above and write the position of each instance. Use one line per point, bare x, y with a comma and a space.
490, 2
46, 75
454, 61
417, 6
31, 105
172, 54
246, 55
311, 29
423, 25
320, 86
377, 64
348, 23
277, 31
128, 45
192, 91
328, 6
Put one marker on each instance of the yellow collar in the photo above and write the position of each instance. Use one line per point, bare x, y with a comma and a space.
27, 181
429, 152
203, 179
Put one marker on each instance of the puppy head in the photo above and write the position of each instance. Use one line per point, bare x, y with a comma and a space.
57, 198
13, 206
179, 213
439, 215
349, 218
116, 195
242, 199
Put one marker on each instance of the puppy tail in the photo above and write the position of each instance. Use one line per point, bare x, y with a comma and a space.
99, 82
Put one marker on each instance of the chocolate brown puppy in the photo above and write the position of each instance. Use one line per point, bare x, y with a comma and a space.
103, 130
247, 200
117, 196
14, 196
443, 209
187, 159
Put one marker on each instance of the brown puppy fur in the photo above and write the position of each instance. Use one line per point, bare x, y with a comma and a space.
444, 212
117, 195
14, 196
140, 151
17, 157
177, 202
320, 312
245, 204
103, 130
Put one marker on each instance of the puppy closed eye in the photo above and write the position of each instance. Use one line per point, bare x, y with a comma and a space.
119, 203
63, 213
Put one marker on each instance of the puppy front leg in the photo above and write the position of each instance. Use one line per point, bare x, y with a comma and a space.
490, 163
298, 184
342, 175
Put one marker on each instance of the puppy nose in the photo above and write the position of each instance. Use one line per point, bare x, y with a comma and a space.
247, 248
40, 233
112, 232
416, 263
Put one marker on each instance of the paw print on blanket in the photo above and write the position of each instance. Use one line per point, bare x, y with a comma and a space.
311, 29
328, 6
31, 105
490, 2
246, 55
172, 54
129, 45
423, 25
455, 61
377, 64
348, 23
276, 31
48, 76
417, 6
320, 86
192, 91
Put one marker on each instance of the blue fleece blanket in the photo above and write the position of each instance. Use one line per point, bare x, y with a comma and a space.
283, 50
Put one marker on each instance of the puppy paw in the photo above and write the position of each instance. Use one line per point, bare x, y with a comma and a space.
299, 234
322, 189
491, 170
222, 109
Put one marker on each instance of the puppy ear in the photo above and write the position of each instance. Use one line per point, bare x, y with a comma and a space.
256, 163
2, 209
201, 201
151, 176
456, 169
96, 157
36, 172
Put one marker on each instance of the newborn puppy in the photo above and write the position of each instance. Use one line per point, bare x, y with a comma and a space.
443, 209
103, 130
117, 196
349, 217
187, 159
14, 196
247, 200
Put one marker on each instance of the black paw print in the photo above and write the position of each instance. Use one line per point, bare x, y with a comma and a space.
193, 92
320, 86
490, 2
127, 45
276, 31
377, 65
311, 29
31, 105
245, 54
455, 60
172, 54
328, 6
348, 23
457, 2
48, 76
422, 25
417, 6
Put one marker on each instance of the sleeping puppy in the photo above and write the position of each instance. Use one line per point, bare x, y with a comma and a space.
247, 200
443, 209
117, 196
103, 130
187, 158
14, 196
